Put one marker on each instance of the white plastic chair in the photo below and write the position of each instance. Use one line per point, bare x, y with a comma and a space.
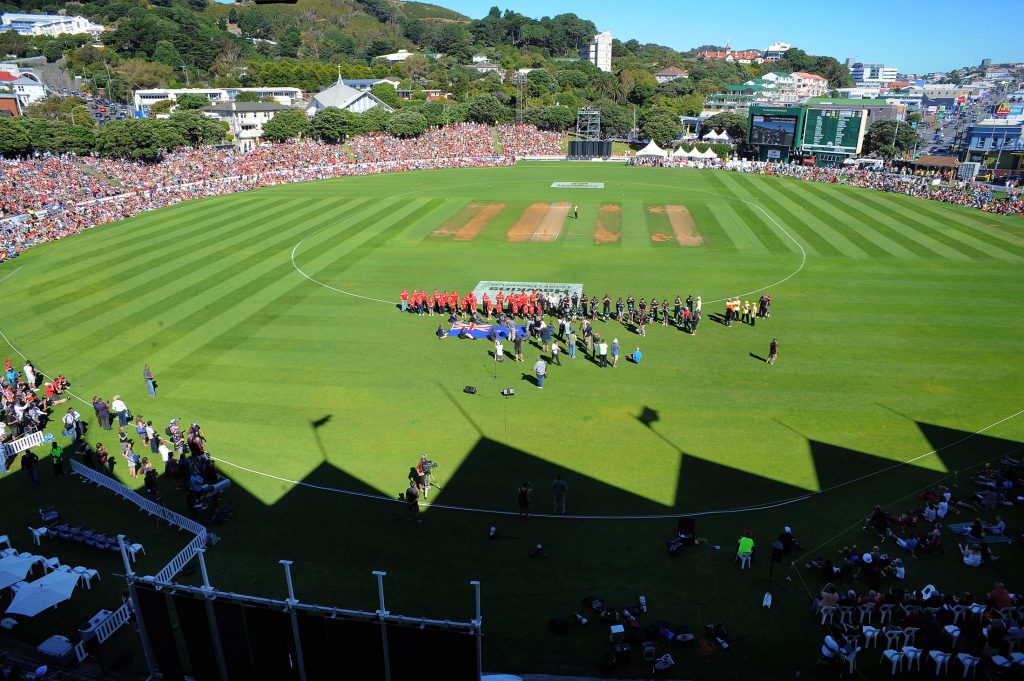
953, 631
912, 655
1006, 663
910, 635
892, 638
867, 610
17, 587
885, 613
870, 636
744, 559
970, 663
63, 568
940, 659
135, 549
8, 623
50, 564
894, 656
828, 612
977, 609
958, 612
846, 614
37, 534
851, 657
5, 540
8, 552
86, 574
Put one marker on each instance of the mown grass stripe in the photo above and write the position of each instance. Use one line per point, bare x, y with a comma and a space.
711, 229
787, 195
924, 228
741, 187
177, 318
986, 230
193, 283
634, 225
132, 278
739, 231
895, 244
868, 240
769, 234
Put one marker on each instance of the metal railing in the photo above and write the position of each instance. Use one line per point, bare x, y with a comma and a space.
119, 617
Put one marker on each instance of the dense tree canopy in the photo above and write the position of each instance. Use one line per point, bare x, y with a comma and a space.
286, 125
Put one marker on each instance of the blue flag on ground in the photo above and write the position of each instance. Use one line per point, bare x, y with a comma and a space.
484, 330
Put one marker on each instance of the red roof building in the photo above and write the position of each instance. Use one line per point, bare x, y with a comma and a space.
729, 55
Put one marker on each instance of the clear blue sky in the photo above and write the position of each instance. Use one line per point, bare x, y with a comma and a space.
914, 37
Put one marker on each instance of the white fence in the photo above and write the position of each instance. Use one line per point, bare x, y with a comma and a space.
120, 616
21, 444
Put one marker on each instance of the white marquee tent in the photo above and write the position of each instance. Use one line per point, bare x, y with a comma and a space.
652, 149
708, 154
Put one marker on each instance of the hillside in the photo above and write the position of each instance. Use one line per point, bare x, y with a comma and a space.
425, 10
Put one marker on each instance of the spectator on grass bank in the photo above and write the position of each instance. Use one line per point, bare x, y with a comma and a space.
147, 376
57, 458
102, 412
28, 464
745, 544
412, 502
540, 368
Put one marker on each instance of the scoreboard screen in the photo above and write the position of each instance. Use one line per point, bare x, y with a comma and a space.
834, 130
777, 129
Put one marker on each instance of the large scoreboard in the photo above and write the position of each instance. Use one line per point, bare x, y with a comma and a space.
836, 131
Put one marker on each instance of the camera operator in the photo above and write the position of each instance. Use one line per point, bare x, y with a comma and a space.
423, 467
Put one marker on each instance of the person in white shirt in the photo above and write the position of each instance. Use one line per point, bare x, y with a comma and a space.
499, 351
121, 409
30, 375
602, 349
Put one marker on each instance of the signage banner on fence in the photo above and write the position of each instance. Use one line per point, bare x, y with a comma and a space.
506, 287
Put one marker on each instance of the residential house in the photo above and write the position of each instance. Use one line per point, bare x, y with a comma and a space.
47, 24
670, 74
599, 51
396, 57
728, 54
365, 84
245, 120
27, 89
810, 85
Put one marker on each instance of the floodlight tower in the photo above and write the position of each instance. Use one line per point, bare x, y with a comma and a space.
588, 125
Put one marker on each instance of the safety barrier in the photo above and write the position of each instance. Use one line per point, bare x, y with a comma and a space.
144, 504
120, 616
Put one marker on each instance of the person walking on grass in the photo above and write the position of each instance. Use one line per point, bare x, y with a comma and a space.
773, 351
615, 352
147, 375
28, 464
575, 212
602, 349
412, 502
555, 354
572, 345
540, 368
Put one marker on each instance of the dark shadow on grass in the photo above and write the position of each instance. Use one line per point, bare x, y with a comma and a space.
759, 357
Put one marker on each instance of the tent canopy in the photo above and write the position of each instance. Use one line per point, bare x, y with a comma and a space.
711, 136
652, 149
45, 592
708, 154
680, 153
14, 568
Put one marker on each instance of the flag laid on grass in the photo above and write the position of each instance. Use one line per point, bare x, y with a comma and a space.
484, 330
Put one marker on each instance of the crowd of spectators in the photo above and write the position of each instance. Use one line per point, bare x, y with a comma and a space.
959, 193
49, 198
527, 140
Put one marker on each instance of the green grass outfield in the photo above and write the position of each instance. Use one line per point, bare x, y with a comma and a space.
900, 325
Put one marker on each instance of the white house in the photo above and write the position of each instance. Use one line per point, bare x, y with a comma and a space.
670, 74
47, 24
810, 84
486, 67
345, 98
245, 120
27, 90
477, 58
286, 96
872, 74
396, 57
775, 51
599, 51
363, 84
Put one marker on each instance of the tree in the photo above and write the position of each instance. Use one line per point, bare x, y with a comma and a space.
660, 125
166, 53
332, 125
890, 138
286, 125
641, 93
132, 138
191, 101
63, 109
373, 120
539, 83
139, 74
14, 140
53, 51
387, 94
290, 41
195, 128
407, 124
164, 106
733, 123
616, 119
550, 117
486, 109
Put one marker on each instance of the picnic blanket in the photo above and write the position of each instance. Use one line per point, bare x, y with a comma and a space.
964, 528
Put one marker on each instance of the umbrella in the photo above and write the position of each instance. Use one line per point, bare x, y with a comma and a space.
43, 593
14, 568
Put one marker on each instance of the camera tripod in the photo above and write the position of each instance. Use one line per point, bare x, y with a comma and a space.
430, 481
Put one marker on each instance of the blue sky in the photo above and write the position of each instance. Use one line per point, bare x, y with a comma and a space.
914, 37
